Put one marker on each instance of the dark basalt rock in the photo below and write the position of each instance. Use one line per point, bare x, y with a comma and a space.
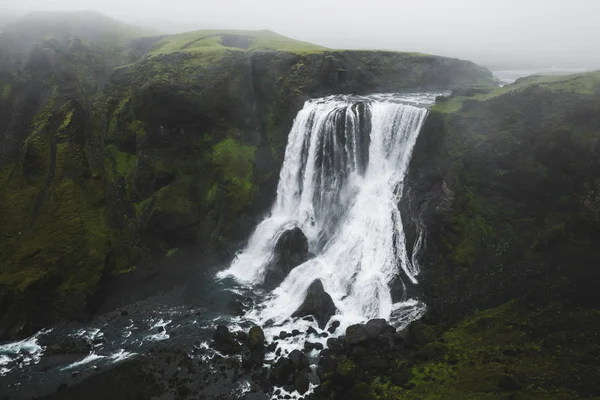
299, 359
356, 334
62, 344
282, 372
256, 338
224, 342
290, 251
376, 327
317, 303
335, 345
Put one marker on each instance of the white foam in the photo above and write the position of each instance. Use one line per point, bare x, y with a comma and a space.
90, 358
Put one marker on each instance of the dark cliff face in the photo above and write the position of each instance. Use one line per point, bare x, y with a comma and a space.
105, 170
506, 185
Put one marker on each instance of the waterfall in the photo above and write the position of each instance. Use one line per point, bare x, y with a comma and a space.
341, 182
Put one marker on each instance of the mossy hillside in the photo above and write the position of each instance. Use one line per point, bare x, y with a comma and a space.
584, 84
519, 181
512, 221
512, 351
60, 237
55, 237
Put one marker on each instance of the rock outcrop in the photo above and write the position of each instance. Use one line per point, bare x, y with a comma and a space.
318, 303
290, 251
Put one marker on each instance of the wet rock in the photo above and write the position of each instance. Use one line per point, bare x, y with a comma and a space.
272, 347
319, 346
336, 345
308, 346
376, 327
299, 359
256, 338
358, 353
282, 372
296, 332
224, 342
283, 335
58, 345
317, 303
302, 382
290, 251
241, 336
356, 334
311, 331
324, 334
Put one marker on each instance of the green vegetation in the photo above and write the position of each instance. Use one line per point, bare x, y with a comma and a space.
6, 91
507, 351
234, 162
584, 84
232, 40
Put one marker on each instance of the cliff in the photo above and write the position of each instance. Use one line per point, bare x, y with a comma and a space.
117, 152
505, 183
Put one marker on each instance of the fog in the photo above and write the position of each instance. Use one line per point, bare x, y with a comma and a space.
498, 33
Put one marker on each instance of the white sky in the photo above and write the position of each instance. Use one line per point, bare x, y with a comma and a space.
543, 32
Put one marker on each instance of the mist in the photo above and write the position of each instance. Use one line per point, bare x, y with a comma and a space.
500, 34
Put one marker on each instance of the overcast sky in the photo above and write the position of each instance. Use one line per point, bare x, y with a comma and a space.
546, 32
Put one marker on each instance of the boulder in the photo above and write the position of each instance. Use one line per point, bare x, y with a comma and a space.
317, 303
356, 334
376, 327
256, 338
282, 372
336, 345
299, 359
224, 342
302, 382
290, 251
62, 344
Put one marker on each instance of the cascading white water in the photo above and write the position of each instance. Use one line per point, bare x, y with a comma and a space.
341, 183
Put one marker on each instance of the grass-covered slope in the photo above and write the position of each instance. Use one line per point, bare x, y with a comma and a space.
506, 183
106, 169
215, 40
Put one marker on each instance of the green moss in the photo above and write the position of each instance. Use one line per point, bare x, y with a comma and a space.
6, 91
506, 350
235, 165
346, 368
124, 162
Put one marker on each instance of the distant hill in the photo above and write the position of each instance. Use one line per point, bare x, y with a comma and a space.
210, 40
88, 26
